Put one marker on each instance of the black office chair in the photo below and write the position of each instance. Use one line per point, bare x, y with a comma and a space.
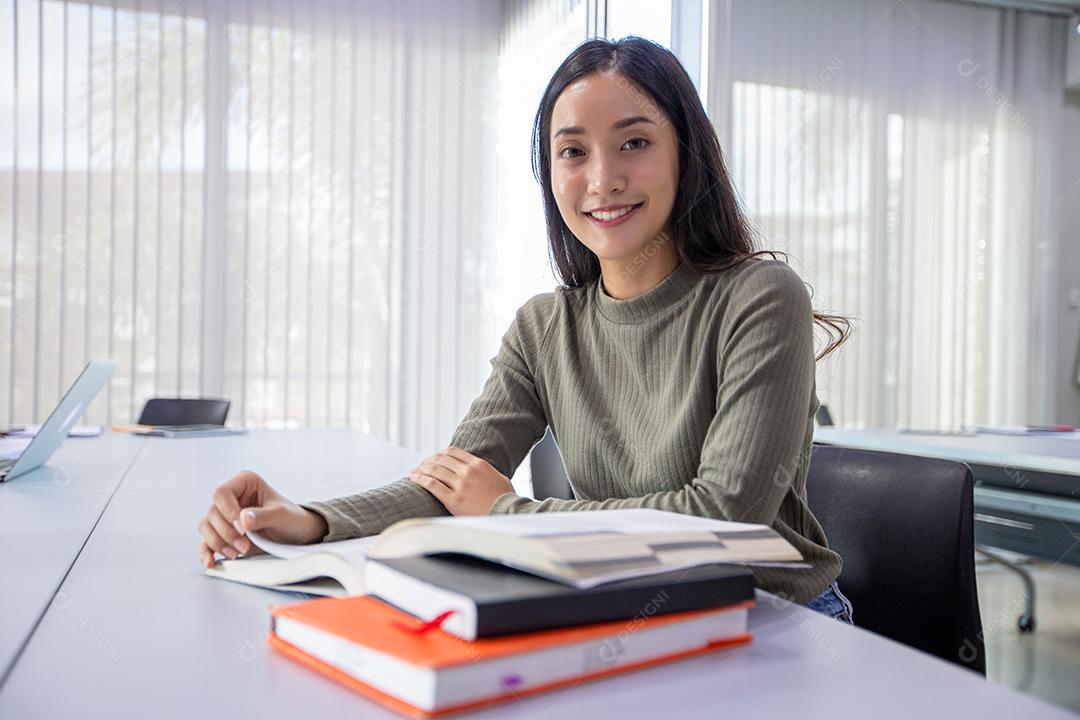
184, 411
904, 526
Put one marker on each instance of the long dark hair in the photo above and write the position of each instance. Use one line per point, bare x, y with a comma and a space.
709, 230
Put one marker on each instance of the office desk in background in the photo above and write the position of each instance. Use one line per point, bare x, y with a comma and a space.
141, 632
1027, 493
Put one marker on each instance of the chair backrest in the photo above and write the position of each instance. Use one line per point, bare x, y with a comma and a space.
904, 526
549, 478
184, 411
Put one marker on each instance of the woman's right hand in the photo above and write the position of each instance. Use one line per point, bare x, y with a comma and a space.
247, 502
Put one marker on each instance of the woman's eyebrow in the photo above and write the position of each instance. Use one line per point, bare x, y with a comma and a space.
625, 122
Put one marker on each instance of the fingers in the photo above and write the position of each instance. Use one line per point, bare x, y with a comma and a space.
440, 472
458, 454
225, 500
434, 486
450, 462
206, 555
211, 541
259, 518
243, 489
444, 467
220, 529
232, 542
465, 458
229, 533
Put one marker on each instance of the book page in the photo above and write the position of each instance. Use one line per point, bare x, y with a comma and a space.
632, 521
589, 548
354, 551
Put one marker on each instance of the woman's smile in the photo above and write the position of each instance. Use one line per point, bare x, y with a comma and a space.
613, 215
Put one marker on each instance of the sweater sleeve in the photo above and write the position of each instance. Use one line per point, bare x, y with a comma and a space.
501, 426
758, 439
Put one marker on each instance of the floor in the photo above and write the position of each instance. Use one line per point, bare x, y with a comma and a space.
1045, 663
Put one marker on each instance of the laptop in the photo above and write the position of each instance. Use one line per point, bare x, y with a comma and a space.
61, 419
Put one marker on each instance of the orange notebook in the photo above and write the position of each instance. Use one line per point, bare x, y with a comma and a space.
385, 655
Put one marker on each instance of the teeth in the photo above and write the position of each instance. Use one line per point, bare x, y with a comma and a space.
608, 216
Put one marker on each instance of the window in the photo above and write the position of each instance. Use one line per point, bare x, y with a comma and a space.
287, 204
907, 173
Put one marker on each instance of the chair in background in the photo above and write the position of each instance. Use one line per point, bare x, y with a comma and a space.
184, 411
549, 478
904, 526
1026, 621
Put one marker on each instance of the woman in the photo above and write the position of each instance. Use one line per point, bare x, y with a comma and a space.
675, 365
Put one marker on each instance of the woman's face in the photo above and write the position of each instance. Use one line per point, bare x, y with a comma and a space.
612, 150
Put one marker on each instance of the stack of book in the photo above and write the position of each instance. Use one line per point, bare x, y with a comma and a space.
441, 615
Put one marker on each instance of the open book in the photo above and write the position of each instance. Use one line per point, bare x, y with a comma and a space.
589, 548
580, 549
333, 569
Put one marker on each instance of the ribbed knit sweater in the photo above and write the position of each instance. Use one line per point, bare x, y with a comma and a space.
695, 397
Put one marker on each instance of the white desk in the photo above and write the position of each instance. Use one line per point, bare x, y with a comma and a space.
137, 631
1025, 458
45, 517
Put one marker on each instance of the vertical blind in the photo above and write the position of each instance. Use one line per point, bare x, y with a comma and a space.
301, 206
536, 36
289, 204
905, 156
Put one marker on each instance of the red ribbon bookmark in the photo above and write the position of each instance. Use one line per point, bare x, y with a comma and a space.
426, 627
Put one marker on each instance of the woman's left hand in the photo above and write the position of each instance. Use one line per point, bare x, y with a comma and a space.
462, 482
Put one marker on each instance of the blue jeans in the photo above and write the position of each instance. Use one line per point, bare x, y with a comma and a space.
832, 603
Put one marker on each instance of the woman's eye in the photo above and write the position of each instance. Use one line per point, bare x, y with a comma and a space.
566, 150
643, 142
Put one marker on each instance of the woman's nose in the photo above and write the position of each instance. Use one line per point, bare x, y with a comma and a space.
604, 177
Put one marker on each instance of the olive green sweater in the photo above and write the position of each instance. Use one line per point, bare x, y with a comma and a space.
695, 397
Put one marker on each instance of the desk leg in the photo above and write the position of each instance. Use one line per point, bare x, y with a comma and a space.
1025, 622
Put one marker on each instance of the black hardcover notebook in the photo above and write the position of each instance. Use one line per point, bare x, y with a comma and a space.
488, 599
